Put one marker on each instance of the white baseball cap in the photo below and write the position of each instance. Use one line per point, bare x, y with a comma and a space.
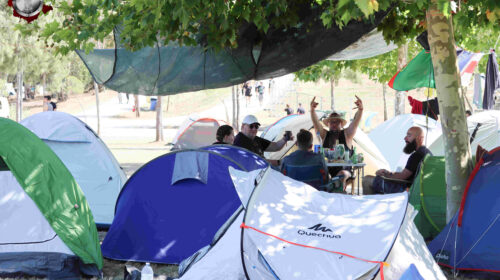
250, 119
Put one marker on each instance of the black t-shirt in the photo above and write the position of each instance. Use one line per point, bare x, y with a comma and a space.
258, 145
220, 143
415, 159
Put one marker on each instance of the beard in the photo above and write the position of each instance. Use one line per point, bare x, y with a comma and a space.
410, 147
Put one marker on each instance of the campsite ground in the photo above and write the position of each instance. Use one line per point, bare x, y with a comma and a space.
131, 139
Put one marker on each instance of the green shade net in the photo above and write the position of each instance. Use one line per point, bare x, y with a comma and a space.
428, 196
170, 69
418, 73
52, 188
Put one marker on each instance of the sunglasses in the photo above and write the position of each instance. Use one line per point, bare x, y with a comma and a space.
254, 125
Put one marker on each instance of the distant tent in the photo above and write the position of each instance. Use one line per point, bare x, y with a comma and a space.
428, 197
483, 127
173, 205
169, 69
470, 241
195, 133
93, 166
292, 231
389, 137
46, 227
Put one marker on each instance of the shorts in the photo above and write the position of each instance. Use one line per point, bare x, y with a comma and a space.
382, 187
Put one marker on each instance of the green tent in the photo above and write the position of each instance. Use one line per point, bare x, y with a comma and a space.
428, 196
51, 189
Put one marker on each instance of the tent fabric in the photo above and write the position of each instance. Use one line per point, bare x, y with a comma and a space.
469, 242
411, 274
389, 137
190, 165
195, 133
491, 81
170, 69
53, 190
478, 90
95, 169
487, 135
370, 45
297, 212
163, 223
428, 197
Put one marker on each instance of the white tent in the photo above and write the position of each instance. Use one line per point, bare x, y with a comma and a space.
487, 134
389, 137
93, 166
292, 231
196, 132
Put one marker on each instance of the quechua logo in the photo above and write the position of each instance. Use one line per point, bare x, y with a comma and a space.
319, 231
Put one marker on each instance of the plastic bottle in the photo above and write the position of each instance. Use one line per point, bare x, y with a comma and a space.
147, 272
354, 157
320, 141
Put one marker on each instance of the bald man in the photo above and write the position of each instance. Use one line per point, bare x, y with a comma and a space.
414, 147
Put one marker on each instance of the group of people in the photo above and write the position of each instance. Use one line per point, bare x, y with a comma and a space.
48, 104
300, 109
247, 91
336, 133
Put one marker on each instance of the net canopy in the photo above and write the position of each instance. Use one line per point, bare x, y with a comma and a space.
170, 69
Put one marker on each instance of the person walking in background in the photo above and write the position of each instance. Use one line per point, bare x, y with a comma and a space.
301, 110
247, 89
260, 91
224, 135
288, 110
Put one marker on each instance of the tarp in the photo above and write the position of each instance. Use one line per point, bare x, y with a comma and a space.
370, 45
170, 69
469, 242
50, 185
292, 231
93, 166
157, 221
389, 137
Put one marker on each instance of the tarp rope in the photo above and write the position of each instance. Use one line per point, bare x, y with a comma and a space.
382, 264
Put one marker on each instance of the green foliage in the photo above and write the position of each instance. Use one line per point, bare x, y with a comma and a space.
74, 85
324, 70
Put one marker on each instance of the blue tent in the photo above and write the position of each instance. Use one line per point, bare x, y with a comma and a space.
470, 242
173, 205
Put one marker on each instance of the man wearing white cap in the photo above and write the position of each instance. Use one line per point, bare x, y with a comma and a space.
247, 138
336, 133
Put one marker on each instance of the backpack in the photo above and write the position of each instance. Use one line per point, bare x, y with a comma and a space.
54, 106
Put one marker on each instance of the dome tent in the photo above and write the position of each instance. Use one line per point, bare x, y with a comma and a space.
173, 205
469, 243
195, 133
94, 167
292, 231
46, 224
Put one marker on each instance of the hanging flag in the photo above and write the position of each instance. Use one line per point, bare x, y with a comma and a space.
491, 82
419, 72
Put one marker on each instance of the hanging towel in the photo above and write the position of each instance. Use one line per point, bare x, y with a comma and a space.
492, 81
478, 90
416, 106
431, 108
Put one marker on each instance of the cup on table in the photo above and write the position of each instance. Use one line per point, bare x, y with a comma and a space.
360, 158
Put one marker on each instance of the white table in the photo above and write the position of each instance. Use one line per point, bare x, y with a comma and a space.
356, 166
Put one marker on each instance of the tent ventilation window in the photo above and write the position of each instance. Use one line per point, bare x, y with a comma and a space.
190, 165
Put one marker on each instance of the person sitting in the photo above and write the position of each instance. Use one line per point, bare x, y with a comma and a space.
304, 156
224, 135
393, 182
337, 133
247, 138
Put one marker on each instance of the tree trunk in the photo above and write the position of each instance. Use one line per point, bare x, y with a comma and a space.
159, 120
399, 101
384, 91
44, 84
451, 107
136, 105
332, 93
19, 101
96, 90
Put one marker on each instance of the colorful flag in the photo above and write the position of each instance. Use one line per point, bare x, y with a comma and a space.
419, 72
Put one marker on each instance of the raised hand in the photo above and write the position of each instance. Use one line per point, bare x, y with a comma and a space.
314, 104
358, 103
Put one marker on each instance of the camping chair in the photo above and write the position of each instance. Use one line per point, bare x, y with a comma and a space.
313, 175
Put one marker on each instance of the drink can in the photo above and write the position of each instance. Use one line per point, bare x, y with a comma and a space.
317, 149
